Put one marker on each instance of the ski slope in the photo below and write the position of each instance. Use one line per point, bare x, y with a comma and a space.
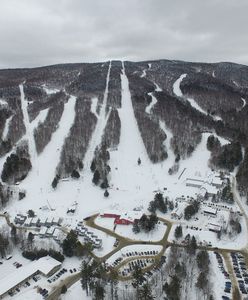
126, 174
99, 129
93, 107
6, 128
177, 91
44, 166
29, 131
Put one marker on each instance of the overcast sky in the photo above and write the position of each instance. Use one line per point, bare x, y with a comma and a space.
43, 32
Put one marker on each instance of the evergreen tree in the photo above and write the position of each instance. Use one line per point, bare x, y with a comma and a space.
136, 228
152, 207
96, 177
173, 289
30, 238
137, 275
31, 213
203, 260
55, 181
106, 193
86, 274
99, 292
178, 232
63, 289
70, 244
192, 246
93, 166
145, 293
75, 174
202, 281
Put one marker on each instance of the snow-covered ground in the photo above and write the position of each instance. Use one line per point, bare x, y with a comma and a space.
75, 292
126, 230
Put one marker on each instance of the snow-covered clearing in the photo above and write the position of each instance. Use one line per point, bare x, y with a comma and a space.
93, 107
6, 128
153, 236
126, 230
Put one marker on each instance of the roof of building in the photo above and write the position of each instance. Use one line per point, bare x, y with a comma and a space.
210, 189
44, 265
210, 210
214, 227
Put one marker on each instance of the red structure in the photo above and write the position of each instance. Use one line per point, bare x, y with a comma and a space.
110, 215
121, 221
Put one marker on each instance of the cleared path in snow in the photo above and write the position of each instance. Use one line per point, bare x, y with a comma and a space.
126, 173
29, 131
154, 99
44, 167
96, 137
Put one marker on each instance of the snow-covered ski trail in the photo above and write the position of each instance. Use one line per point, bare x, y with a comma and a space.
99, 129
26, 121
126, 174
44, 167
6, 128
93, 107
244, 103
176, 86
177, 91
145, 70
40, 118
154, 99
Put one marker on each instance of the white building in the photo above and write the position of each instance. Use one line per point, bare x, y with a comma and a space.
45, 266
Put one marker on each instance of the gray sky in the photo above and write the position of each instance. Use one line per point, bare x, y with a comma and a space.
43, 32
